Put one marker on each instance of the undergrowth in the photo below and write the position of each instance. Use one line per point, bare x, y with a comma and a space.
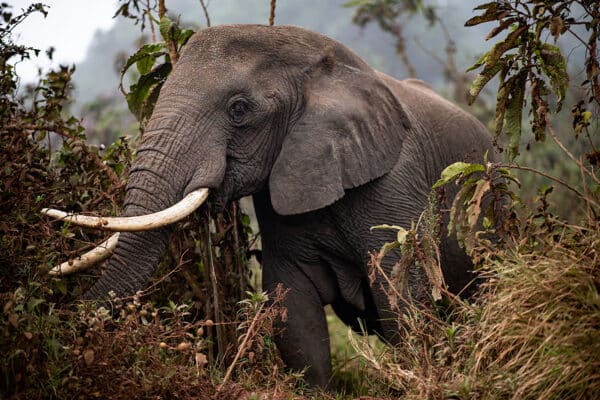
132, 350
530, 333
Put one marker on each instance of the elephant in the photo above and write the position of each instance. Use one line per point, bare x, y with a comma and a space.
327, 147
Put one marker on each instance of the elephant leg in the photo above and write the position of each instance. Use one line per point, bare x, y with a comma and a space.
302, 337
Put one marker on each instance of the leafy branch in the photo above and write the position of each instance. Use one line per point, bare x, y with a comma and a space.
154, 62
481, 199
387, 13
524, 59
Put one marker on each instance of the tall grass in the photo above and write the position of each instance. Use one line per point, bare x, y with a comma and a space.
532, 331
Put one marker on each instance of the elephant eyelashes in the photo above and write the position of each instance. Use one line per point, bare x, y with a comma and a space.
238, 110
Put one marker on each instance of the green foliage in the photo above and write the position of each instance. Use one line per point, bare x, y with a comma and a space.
517, 340
45, 162
153, 64
525, 59
480, 201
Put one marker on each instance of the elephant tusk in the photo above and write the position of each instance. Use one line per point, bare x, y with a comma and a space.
135, 224
85, 261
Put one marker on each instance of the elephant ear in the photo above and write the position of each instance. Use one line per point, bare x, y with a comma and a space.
350, 132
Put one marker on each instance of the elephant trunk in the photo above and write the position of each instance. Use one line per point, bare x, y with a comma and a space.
136, 253
169, 165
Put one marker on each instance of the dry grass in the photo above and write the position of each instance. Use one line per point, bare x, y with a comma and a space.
539, 328
533, 332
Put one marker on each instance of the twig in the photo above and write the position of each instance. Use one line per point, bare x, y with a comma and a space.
377, 264
570, 155
215, 290
193, 283
396, 30
162, 9
552, 178
152, 32
154, 286
205, 9
242, 348
585, 190
236, 246
61, 131
171, 45
272, 15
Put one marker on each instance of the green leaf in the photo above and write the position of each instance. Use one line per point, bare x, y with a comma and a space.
145, 65
502, 97
152, 50
147, 54
184, 36
167, 28
150, 101
245, 219
472, 168
402, 234
491, 13
33, 303
506, 174
485, 5
514, 114
554, 67
487, 223
483, 78
545, 190
142, 94
357, 3
479, 62
453, 171
387, 247
494, 62
500, 28
61, 285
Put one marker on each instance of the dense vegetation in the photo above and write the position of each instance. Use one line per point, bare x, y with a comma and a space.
198, 332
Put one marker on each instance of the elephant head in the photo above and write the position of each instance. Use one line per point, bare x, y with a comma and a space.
248, 108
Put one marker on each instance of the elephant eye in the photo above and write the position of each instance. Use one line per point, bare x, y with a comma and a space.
238, 109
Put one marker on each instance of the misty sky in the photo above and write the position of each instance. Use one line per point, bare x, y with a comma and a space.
69, 27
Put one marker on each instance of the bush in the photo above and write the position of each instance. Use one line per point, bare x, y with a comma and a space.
55, 348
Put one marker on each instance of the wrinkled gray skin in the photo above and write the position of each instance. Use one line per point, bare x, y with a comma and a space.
327, 146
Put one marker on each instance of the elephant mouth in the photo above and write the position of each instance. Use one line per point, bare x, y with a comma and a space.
170, 215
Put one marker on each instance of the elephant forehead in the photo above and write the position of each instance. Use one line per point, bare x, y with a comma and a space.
264, 39
289, 45
207, 79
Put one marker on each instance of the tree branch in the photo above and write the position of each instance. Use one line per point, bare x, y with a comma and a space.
205, 9
272, 15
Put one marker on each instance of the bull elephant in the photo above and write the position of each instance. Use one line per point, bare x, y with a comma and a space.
327, 146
